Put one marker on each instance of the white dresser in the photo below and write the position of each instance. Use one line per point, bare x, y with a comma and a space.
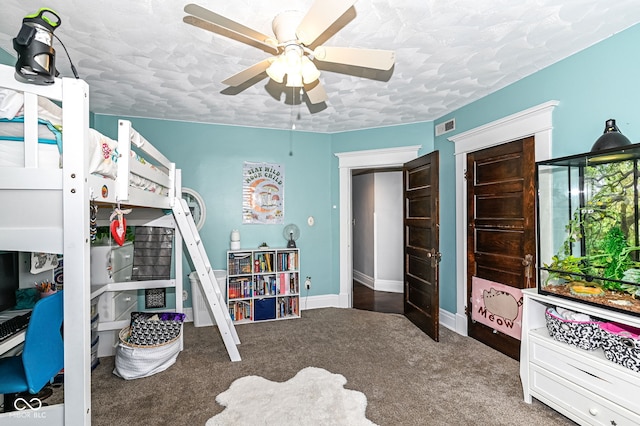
112, 264
583, 385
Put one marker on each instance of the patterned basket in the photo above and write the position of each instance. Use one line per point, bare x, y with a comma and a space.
125, 339
155, 328
583, 334
621, 344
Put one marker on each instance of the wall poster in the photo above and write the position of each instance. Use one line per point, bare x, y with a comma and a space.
262, 193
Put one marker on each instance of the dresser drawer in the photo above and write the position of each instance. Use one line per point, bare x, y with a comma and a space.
579, 403
116, 305
122, 275
122, 256
588, 369
107, 262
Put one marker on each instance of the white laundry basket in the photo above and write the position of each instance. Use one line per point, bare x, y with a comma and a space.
201, 316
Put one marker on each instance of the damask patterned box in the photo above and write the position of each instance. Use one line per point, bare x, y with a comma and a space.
583, 334
621, 344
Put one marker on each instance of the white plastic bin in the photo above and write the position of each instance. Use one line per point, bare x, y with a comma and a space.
201, 316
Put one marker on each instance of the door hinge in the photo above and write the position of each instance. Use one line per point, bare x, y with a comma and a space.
467, 312
466, 175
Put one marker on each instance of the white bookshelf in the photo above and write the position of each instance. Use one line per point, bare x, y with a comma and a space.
263, 284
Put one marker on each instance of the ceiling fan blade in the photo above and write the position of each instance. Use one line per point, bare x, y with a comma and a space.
321, 15
248, 73
209, 20
315, 92
368, 58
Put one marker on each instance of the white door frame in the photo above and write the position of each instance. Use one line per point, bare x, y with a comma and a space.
535, 121
348, 161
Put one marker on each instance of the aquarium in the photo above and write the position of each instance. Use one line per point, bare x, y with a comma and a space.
588, 238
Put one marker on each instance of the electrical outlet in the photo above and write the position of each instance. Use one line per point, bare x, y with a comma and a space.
307, 283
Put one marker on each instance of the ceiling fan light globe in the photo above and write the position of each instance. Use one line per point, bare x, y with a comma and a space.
309, 71
277, 70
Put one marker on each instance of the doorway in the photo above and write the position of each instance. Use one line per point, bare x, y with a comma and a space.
348, 163
377, 239
536, 122
500, 231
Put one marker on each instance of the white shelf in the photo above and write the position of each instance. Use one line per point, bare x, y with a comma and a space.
260, 290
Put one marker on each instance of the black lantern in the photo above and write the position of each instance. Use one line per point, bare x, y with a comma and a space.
34, 44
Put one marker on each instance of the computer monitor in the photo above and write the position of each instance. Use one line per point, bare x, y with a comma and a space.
9, 279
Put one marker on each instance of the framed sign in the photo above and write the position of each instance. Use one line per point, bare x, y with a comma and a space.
196, 205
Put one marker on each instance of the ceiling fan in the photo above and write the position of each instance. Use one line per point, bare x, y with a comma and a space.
293, 48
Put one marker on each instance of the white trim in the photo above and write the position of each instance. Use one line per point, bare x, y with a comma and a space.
447, 319
377, 284
364, 279
322, 301
348, 161
390, 286
535, 121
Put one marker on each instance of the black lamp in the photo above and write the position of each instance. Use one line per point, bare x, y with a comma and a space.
611, 138
36, 56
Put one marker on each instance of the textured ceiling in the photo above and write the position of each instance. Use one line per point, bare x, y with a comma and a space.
140, 59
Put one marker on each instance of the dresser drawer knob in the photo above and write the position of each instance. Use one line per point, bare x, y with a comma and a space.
593, 411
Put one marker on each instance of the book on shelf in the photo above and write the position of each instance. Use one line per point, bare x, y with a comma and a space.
288, 261
240, 310
267, 257
240, 288
239, 263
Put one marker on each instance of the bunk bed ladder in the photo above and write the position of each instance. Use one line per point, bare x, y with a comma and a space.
208, 282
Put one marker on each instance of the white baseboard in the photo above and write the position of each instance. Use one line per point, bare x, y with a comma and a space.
363, 279
461, 324
323, 301
448, 319
392, 286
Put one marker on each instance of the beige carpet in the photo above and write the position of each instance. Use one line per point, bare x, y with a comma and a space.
407, 378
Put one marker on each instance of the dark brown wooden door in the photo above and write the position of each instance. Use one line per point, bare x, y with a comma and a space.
422, 243
501, 226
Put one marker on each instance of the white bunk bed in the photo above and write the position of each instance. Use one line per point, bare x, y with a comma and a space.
46, 209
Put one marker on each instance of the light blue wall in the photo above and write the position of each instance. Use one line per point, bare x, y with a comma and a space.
211, 158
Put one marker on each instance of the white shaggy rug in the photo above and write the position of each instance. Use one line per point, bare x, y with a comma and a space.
313, 397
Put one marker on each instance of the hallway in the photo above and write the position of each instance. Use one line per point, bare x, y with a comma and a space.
367, 299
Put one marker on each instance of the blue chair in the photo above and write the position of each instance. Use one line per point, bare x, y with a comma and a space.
43, 353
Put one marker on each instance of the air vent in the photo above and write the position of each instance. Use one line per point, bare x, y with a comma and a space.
445, 127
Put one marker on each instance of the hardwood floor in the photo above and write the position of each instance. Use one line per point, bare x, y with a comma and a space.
378, 301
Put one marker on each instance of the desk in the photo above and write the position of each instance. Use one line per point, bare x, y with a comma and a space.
17, 338
12, 342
